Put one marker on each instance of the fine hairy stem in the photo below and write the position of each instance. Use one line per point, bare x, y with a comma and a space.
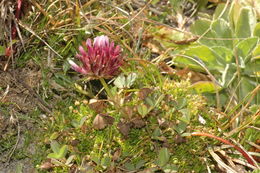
103, 82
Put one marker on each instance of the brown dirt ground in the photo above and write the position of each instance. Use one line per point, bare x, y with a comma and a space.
18, 98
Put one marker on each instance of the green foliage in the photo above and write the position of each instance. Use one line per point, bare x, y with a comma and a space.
174, 103
147, 121
59, 152
125, 81
163, 157
228, 48
2, 50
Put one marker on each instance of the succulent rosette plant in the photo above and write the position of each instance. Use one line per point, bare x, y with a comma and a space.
101, 59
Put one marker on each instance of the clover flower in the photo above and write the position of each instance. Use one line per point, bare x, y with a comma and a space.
101, 59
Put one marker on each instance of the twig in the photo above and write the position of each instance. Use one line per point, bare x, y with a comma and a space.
16, 143
220, 162
137, 14
242, 151
37, 36
254, 92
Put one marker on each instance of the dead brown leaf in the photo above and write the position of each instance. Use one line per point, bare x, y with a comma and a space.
124, 128
102, 120
74, 142
116, 155
127, 111
166, 68
179, 139
47, 165
138, 123
108, 119
144, 92
195, 76
99, 122
97, 105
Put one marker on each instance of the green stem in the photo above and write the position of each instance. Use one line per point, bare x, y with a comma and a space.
103, 82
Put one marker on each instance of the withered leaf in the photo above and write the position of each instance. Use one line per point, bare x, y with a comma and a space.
138, 123
47, 165
144, 92
127, 111
99, 122
166, 68
102, 120
108, 119
116, 155
128, 97
73, 168
195, 76
163, 123
84, 128
74, 142
124, 128
179, 139
97, 105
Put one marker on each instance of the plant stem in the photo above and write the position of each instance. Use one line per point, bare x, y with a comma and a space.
103, 82
244, 153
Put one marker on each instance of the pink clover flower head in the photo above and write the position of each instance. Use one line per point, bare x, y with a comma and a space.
100, 59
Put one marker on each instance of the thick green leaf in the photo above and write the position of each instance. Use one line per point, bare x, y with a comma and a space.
55, 146
212, 60
123, 81
245, 22
70, 159
200, 26
228, 74
209, 39
2, 50
130, 79
256, 53
219, 11
60, 154
175, 4
257, 30
156, 133
120, 81
244, 48
63, 151
185, 116
206, 87
82, 120
233, 14
181, 103
95, 159
225, 53
181, 127
253, 69
163, 157
53, 155
154, 2
223, 31
54, 136
202, 52
248, 85
139, 164
201, 4
142, 110
106, 161
185, 62
129, 166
